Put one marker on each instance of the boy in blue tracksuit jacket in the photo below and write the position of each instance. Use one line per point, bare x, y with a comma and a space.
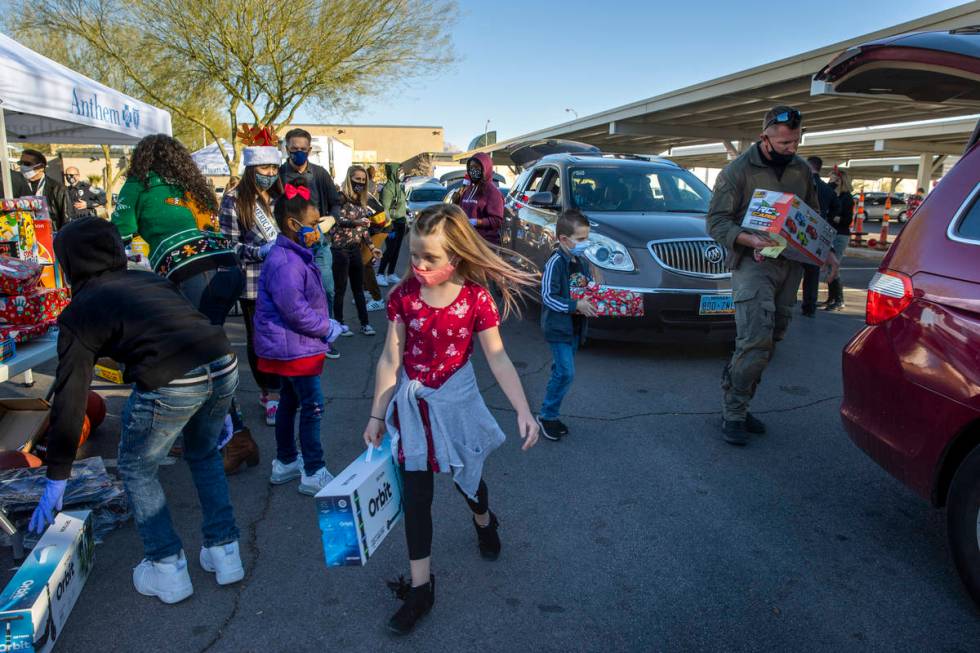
563, 318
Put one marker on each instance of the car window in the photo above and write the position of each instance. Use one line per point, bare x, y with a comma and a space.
969, 225
638, 189
552, 184
535, 182
427, 195
519, 184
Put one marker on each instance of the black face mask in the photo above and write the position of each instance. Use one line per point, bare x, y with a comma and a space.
71, 179
776, 158
476, 175
358, 188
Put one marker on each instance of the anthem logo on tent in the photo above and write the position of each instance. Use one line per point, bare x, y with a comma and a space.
90, 108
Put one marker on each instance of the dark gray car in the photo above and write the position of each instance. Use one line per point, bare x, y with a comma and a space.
648, 235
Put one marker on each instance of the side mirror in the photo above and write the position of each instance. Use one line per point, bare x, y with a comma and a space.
543, 200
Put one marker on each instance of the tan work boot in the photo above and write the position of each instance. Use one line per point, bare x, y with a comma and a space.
240, 449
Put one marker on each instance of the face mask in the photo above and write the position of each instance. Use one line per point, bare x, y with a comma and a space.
308, 236
265, 182
579, 248
299, 158
476, 175
435, 277
28, 171
776, 158
71, 179
357, 188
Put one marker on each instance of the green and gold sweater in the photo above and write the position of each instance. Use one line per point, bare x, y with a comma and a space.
183, 239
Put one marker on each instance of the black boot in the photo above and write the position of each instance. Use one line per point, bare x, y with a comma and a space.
417, 603
488, 538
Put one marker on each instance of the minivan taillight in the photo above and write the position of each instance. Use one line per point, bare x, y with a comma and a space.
889, 294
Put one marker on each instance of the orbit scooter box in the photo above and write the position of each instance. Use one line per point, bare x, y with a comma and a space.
35, 604
803, 235
359, 507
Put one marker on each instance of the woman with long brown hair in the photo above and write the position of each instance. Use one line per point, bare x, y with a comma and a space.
346, 239
247, 218
425, 392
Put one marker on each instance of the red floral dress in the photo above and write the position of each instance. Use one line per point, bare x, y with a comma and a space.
439, 341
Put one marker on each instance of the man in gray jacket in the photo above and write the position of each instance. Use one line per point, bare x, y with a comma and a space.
764, 289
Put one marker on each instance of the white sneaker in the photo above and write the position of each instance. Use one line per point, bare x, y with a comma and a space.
345, 331
377, 305
282, 473
312, 484
367, 330
224, 561
393, 279
165, 579
271, 407
382, 281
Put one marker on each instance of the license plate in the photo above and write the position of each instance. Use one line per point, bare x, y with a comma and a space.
716, 305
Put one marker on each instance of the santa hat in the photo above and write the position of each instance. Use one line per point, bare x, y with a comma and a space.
261, 155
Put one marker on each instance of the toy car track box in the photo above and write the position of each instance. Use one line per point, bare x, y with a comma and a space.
109, 370
36, 603
359, 507
802, 234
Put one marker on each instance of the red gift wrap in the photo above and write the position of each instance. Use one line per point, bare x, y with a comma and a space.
18, 276
25, 333
43, 305
609, 302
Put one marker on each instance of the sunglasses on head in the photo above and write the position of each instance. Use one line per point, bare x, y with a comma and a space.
791, 118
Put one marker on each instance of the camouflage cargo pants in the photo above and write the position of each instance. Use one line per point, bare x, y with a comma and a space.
764, 294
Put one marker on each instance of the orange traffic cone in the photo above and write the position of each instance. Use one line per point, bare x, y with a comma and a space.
885, 218
857, 237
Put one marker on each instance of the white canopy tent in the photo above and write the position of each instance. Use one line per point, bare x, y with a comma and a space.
209, 160
45, 102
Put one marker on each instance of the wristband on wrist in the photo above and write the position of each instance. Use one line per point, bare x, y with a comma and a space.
377, 418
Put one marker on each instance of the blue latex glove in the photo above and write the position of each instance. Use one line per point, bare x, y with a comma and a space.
50, 503
473, 221
265, 249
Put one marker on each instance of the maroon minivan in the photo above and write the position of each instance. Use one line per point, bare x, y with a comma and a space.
912, 375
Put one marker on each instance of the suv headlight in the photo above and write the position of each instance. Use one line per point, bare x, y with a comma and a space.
609, 254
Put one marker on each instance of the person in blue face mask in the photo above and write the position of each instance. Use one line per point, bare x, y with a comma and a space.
563, 318
247, 219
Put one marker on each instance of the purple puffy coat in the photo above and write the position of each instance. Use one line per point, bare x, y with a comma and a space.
291, 316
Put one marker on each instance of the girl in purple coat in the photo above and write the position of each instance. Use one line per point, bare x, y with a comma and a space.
292, 332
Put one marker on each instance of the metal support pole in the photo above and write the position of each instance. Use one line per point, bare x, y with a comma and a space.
925, 171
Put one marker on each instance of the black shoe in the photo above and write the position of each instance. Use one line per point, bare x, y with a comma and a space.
754, 425
550, 428
734, 433
809, 313
417, 603
488, 539
561, 427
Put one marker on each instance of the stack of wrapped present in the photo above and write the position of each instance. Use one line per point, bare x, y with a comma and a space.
27, 309
608, 302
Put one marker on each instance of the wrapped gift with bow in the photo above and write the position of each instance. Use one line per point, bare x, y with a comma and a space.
18, 276
608, 302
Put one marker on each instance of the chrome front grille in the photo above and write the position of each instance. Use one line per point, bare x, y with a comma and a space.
695, 257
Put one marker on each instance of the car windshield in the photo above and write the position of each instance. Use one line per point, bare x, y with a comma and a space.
638, 189
427, 195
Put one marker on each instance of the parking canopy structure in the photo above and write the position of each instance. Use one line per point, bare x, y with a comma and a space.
729, 109
45, 102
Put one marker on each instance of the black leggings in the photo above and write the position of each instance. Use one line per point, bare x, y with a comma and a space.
417, 490
392, 248
347, 265
266, 382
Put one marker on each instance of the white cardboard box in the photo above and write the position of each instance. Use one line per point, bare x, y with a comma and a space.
35, 604
803, 235
359, 507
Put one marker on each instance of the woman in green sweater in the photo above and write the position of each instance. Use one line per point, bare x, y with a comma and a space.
168, 203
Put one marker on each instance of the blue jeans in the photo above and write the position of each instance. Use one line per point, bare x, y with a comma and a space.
300, 394
562, 375
323, 258
214, 293
151, 422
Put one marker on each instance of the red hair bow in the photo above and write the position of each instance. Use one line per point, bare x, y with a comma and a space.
293, 191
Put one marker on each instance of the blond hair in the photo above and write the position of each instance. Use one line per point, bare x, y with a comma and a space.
348, 189
478, 261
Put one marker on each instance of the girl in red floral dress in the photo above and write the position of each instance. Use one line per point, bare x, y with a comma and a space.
426, 395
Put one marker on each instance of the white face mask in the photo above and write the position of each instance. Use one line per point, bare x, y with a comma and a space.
29, 171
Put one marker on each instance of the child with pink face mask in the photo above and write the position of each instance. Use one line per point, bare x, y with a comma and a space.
426, 396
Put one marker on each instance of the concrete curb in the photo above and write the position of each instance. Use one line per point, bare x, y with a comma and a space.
865, 253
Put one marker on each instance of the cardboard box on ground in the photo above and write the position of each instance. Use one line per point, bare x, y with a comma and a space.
359, 507
802, 234
37, 601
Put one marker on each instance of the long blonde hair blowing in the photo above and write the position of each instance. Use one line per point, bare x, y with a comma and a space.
348, 189
478, 262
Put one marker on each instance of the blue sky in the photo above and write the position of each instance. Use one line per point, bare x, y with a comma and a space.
522, 63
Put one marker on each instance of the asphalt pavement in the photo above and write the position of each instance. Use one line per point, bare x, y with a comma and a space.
641, 531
